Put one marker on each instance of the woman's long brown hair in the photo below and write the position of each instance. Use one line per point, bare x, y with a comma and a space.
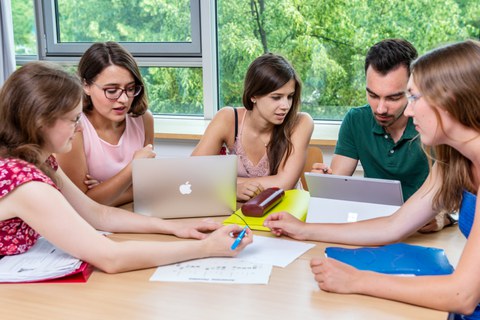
266, 74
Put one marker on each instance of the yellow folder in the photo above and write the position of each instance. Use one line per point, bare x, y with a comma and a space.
295, 202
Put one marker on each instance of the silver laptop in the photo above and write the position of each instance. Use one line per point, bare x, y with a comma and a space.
339, 199
184, 187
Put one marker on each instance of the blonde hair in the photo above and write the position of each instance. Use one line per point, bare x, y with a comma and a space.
449, 78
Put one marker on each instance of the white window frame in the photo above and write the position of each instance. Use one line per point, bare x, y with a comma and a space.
53, 47
200, 53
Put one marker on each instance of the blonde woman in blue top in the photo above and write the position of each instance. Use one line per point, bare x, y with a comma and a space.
444, 102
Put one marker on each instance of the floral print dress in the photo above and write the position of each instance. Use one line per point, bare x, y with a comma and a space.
15, 235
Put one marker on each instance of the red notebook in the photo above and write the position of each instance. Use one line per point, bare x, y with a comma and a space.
79, 275
43, 263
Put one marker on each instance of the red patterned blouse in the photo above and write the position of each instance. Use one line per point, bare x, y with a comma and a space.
15, 235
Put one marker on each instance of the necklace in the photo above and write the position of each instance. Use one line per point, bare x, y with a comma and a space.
265, 144
259, 138
263, 141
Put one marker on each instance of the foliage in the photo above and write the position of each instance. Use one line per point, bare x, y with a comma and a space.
326, 41
24, 27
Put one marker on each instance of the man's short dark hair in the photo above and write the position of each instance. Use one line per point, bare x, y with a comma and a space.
389, 54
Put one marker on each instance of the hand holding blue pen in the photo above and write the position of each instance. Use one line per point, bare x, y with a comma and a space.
239, 238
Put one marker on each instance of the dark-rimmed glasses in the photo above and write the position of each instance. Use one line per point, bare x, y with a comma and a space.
113, 93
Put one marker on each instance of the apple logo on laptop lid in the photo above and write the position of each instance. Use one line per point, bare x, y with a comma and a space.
185, 188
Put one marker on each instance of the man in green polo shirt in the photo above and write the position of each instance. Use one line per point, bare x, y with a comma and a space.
378, 134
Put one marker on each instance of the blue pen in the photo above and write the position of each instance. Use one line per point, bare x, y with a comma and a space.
239, 238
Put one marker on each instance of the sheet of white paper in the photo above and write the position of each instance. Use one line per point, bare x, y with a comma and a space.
274, 251
217, 270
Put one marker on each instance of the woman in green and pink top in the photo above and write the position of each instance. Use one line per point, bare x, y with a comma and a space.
117, 127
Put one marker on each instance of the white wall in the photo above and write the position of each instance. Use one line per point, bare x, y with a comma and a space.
172, 147
175, 148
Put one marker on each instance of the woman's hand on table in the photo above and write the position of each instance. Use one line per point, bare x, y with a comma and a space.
219, 243
283, 223
194, 229
334, 276
248, 189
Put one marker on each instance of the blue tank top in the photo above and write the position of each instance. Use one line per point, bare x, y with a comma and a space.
467, 212
465, 222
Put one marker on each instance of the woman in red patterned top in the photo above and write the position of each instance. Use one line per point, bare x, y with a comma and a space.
40, 106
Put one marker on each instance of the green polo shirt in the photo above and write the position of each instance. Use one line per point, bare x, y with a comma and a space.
361, 138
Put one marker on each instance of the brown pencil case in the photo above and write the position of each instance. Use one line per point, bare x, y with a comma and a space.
263, 202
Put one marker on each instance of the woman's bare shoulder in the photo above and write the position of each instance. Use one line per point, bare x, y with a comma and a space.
305, 117
304, 120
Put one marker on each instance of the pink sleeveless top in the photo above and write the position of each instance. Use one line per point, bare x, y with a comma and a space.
104, 160
15, 235
245, 167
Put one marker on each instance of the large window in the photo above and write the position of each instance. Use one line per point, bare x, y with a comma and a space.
163, 35
326, 41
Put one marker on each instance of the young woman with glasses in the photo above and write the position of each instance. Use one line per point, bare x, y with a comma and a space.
116, 125
39, 109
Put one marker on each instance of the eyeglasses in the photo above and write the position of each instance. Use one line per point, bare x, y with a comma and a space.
413, 97
116, 93
75, 121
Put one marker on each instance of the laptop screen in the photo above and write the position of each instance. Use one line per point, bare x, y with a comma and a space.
181, 187
341, 199
355, 188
